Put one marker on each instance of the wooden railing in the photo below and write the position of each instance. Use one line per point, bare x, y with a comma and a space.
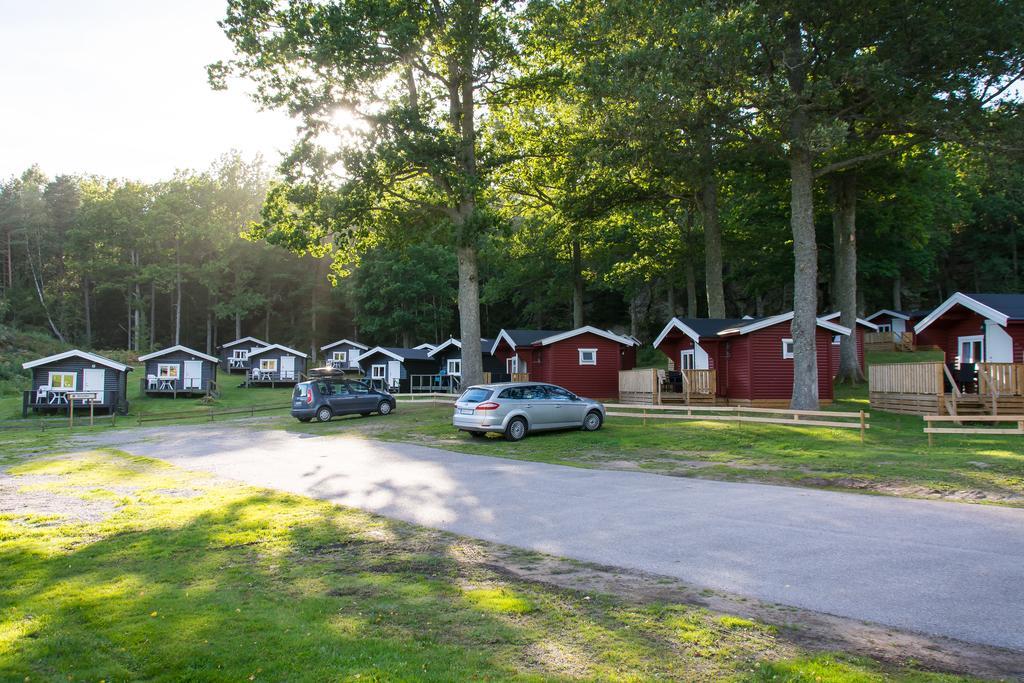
907, 378
881, 337
931, 431
639, 386
1006, 379
700, 382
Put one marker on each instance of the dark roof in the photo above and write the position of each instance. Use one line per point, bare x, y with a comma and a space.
919, 313
709, 327
406, 354
1010, 305
528, 337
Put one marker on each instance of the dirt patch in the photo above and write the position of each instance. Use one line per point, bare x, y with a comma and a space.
802, 628
21, 501
912, 490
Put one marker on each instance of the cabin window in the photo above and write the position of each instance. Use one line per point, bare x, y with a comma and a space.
454, 366
268, 364
588, 356
340, 356
686, 361
377, 371
512, 365
835, 340
885, 327
240, 354
787, 348
168, 370
62, 380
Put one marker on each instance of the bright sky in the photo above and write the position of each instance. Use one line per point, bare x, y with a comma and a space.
118, 88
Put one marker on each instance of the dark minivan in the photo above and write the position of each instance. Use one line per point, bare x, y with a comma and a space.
325, 398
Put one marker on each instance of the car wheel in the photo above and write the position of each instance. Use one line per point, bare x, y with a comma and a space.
384, 408
324, 414
516, 429
477, 435
592, 422
305, 419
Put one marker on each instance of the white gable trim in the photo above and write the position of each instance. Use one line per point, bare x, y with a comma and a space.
243, 340
497, 340
967, 302
584, 330
425, 345
781, 318
178, 347
676, 324
441, 347
75, 353
280, 347
343, 341
380, 349
890, 313
861, 321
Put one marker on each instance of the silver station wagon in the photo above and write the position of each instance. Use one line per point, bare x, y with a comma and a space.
521, 407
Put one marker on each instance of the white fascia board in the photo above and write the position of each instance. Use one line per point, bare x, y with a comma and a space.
967, 302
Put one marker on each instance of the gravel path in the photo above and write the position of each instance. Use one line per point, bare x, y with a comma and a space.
941, 568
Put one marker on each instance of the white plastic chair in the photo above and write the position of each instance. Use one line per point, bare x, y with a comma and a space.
151, 381
41, 393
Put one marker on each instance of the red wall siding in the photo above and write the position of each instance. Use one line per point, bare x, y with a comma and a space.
944, 332
561, 365
737, 353
769, 376
1016, 332
860, 352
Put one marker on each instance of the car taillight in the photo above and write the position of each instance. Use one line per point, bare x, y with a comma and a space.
488, 405
309, 397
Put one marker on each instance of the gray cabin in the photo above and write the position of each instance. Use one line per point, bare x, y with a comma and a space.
275, 364
343, 355
77, 377
398, 369
448, 356
234, 355
179, 371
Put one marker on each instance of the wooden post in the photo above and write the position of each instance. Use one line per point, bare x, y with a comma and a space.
862, 426
113, 417
645, 416
92, 406
139, 415
71, 413
931, 440
211, 413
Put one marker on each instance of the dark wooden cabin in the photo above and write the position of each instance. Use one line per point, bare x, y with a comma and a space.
234, 355
275, 364
58, 379
179, 371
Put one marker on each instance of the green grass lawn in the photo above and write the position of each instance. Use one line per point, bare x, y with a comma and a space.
122, 568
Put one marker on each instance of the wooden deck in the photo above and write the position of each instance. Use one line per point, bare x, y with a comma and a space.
930, 389
889, 341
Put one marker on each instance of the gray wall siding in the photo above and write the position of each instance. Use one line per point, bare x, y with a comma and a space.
300, 362
114, 382
209, 369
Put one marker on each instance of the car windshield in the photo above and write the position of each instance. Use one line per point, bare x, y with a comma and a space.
475, 395
300, 391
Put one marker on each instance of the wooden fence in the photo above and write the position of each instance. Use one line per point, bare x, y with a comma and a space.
915, 388
700, 382
1005, 379
740, 414
639, 386
931, 431
889, 341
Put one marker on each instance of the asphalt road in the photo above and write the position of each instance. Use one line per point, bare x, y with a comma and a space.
940, 568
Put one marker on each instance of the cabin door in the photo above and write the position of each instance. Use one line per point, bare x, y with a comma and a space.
394, 373
93, 380
194, 374
287, 367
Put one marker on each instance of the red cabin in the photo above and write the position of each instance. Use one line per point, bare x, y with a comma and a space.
863, 326
585, 361
976, 328
750, 361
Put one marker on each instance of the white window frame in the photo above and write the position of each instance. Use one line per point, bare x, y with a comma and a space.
885, 327
512, 365
792, 349
970, 339
455, 363
240, 354
268, 365
693, 359
62, 373
593, 356
339, 356
173, 376
836, 339
374, 374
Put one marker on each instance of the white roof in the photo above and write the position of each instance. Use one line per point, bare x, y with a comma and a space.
781, 318
586, 329
75, 353
258, 342
178, 347
381, 349
967, 302
676, 324
889, 312
343, 341
281, 347
424, 345
862, 321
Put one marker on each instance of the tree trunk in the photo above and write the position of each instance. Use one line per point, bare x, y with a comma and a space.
131, 310
805, 247
712, 247
209, 332
897, 292
177, 287
10, 260
266, 323
38, 282
152, 315
238, 325
137, 303
87, 304
313, 310
691, 289
844, 281
670, 299
469, 316
577, 281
